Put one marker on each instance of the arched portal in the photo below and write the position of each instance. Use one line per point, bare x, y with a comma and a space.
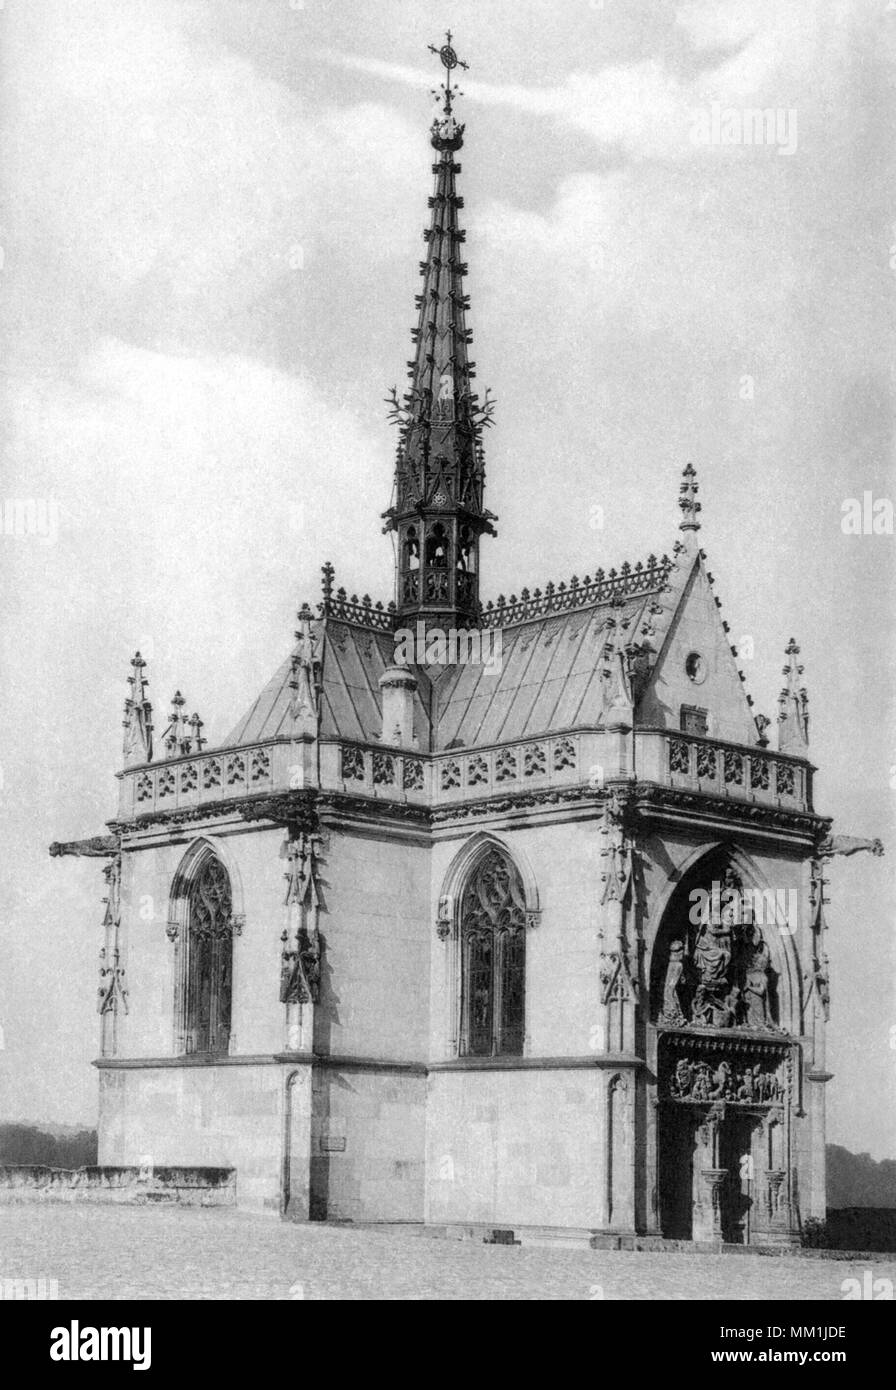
724, 1063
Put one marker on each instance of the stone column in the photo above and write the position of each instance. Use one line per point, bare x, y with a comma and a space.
776, 1204
619, 1145
296, 1188
708, 1206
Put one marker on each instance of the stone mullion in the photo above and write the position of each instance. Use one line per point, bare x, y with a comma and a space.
463, 1013
499, 942
218, 1041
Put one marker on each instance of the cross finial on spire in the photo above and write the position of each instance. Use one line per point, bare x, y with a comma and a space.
446, 92
687, 500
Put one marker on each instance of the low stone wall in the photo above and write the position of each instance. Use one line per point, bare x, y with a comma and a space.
192, 1187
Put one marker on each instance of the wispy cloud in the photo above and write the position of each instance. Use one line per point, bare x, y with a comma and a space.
644, 107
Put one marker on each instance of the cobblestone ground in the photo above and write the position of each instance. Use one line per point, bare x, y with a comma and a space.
128, 1252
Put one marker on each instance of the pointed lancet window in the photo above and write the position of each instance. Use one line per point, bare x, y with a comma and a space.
207, 959
493, 959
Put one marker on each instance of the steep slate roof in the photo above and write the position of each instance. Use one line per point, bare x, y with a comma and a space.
353, 659
548, 678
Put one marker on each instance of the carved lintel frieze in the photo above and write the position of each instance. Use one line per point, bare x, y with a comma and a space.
724, 1071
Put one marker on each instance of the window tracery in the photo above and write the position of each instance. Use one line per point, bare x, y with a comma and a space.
493, 954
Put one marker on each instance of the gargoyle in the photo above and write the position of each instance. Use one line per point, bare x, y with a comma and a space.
97, 847
849, 844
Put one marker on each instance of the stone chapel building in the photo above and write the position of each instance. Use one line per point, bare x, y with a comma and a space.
528, 944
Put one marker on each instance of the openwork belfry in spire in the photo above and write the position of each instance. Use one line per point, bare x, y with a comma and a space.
438, 510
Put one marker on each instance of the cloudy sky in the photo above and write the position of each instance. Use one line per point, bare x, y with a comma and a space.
211, 225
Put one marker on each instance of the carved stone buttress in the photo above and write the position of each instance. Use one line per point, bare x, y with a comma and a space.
300, 957
619, 968
112, 993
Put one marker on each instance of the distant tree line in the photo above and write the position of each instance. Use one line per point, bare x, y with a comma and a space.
55, 1147
858, 1180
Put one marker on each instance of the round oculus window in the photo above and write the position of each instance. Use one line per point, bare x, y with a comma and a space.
695, 668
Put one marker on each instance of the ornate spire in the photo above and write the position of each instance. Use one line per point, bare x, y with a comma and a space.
137, 717
183, 735
305, 679
196, 741
793, 706
438, 509
176, 731
618, 654
327, 575
687, 500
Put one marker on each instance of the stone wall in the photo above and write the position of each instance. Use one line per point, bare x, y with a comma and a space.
226, 1115
376, 928
512, 1147
367, 1150
150, 958
562, 950
192, 1187
697, 627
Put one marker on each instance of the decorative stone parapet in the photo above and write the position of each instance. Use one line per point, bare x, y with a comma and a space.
735, 775
724, 769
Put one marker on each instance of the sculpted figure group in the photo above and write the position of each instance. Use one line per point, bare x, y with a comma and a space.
720, 976
698, 1080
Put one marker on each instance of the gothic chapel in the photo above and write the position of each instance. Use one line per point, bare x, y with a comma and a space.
531, 946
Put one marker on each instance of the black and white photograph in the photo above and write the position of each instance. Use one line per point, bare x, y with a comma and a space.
448, 760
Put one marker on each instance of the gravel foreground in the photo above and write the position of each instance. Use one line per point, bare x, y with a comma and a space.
138, 1252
